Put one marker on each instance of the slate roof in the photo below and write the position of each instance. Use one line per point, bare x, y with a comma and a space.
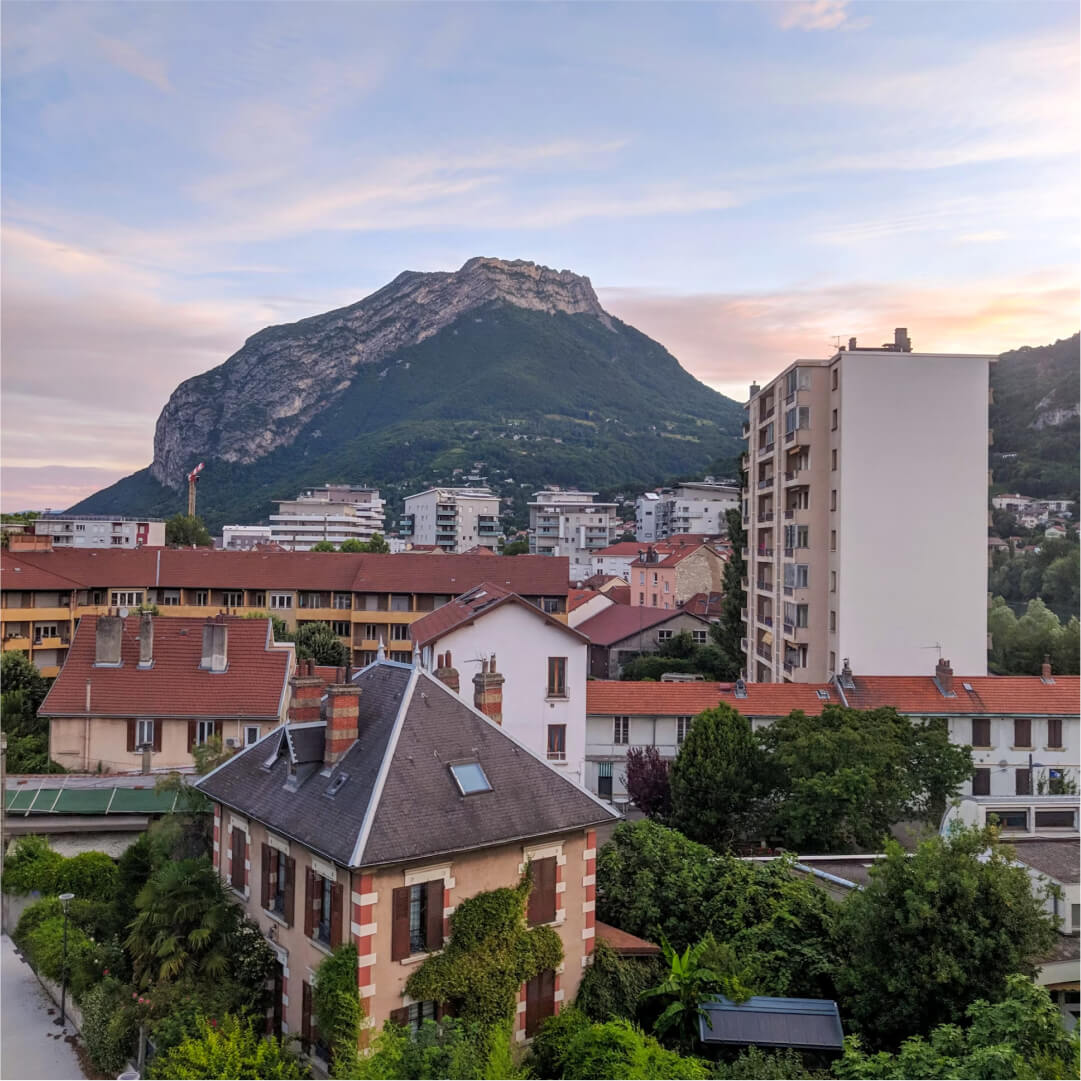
470, 606
400, 801
1058, 859
620, 621
402, 572
252, 686
808, 1023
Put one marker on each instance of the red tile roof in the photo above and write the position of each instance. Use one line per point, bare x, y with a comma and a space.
577, 597
620, 621
469, 607
619, 594
624, 943
704, 604
687, 699
916, 695
252, 685
403, 572
19, 574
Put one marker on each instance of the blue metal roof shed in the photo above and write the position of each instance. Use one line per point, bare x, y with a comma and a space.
809, 1024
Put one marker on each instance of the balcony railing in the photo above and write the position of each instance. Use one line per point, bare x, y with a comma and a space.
764, 652
789, 515
763, 451
764, 586
766, 483
765, 553
766, 620
767, 517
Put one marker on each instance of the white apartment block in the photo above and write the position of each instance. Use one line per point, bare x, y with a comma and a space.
695, 507
866, 514
334, 513
455, 519
573, 524
244, 536
100, 531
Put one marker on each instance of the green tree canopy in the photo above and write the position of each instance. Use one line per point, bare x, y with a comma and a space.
516, 548
183, 531
323, 546
227, 1048
728, 631
318, 642
22, 690
935, 931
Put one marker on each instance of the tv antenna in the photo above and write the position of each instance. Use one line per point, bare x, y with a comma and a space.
936, 645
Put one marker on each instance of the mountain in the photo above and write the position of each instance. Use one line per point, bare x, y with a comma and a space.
1035, 420
508, 364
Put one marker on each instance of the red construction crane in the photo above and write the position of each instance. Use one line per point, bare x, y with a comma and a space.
193, 479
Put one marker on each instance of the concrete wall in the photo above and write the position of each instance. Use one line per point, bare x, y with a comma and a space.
912, 516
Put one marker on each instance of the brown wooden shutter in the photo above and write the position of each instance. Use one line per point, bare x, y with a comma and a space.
1054, 732
158, 726
981, 782
131, 735
191, 735
1022, 732
264, 865
1023, 782
542, 898
290, 887
237, 875
539, 1001
306, 1012
309, 912
399, 927
219, 728
981, 732
400, 1016
337, 895
433, 936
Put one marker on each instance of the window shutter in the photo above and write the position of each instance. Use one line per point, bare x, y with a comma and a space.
399, 928
237, 875
539, 1001
191, 735
264, 864
336, 905
309, 912
400, 1016
434, 931
158, 725
290, 888
219, 728
542, 898
131, 735
1022, 733
306, 1012
1054, 732
981, 782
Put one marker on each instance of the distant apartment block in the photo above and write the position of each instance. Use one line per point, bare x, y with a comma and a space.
453, 519
100, 531
573, 524
334, 513
694, 507
243, 537
866, 514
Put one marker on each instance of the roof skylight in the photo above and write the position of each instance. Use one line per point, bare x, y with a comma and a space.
470, 778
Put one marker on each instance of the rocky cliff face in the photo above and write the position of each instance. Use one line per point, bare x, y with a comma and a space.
271, 389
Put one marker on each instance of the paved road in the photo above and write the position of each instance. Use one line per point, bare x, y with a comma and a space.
33, 1046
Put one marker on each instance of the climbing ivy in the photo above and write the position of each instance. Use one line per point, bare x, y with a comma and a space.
337, 1008
490, 954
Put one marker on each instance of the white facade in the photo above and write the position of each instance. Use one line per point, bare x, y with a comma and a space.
244, 536
455, 519
100, 531
593, 607
522, 642
696, 507
573, 524
334, 513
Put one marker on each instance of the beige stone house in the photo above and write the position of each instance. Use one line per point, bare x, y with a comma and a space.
372, 814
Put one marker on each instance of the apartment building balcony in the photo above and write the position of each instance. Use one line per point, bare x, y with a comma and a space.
765, 517
764, 585
20, 642
746, 429
765, 484
793, 633
797, 478
56, 641
744, 645
743, 614
764, 620
488, 530
764, 553
767, 411
764, 651
798, 437
744, 462
445, 531
764, 451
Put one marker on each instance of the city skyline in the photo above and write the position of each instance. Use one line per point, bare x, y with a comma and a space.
742, 182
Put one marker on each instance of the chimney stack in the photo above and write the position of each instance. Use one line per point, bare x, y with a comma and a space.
215, 645
107, 644
343, 701
446, 673
1045, 669
944, 676
306, 693
146, 640
901, 341
851, 344
488, 691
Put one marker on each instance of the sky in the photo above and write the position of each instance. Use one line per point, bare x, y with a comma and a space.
745, 182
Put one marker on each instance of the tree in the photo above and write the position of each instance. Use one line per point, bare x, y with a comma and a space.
719, 779
653, 881
377, 544
612, 985
935, 931
227, 1048
323, 546
617, 1049
318, 642
844, 777
351, 544
184, 531
23, 690
647, 781
728, 631
1020, 1036
516, 548
451, 1049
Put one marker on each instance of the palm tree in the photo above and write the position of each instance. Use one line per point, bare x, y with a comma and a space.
183, 926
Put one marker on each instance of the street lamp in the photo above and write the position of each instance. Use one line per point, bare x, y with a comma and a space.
65, 900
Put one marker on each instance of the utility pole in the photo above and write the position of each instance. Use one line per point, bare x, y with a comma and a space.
193, 479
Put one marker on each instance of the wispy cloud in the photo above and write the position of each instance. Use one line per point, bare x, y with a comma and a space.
818, 15
124, 55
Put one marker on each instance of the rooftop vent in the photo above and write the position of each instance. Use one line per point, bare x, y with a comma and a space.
337, 784
824, 695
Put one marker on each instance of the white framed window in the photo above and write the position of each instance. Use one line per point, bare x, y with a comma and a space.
251, 734
683, 726
664, 636
170, 596
621, 730
202, 598
126, 598
699, 637
281, 600
203, 731
233, 598
340, 628
144, 733
399, 632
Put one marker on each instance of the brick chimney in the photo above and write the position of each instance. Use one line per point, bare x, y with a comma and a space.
306, 692
446, 673
107, 644
1045, 669
944, 677
488, 691
343, 700
146, 640
215, 645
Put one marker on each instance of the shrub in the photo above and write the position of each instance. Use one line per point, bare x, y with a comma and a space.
618, 1050
553, 1039
89, 875
44, 947
110, 1027
33, 865
450, 1050
230, 1048
336, 1004
93, 917
612, 985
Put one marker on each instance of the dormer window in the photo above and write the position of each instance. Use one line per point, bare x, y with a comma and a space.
470, 778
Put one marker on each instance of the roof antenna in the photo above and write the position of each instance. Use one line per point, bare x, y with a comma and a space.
935, 645
416, 654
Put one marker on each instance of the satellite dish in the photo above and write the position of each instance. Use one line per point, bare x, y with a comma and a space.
124, 613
